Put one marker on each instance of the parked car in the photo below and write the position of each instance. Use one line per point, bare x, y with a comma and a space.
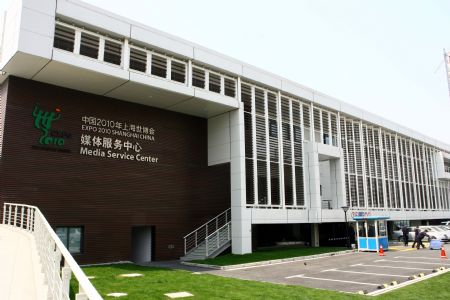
435, 232
443, 229
398, 234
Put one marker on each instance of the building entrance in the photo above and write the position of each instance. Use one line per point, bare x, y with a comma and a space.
142, 241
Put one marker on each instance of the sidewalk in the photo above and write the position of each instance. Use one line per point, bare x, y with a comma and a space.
17, 274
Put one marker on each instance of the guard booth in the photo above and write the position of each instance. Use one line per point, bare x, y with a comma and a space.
371, 232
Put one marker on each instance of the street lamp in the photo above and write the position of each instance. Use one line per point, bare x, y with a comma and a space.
345, 209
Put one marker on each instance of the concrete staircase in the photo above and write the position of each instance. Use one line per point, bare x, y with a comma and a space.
21, 275
213, 245
34, 263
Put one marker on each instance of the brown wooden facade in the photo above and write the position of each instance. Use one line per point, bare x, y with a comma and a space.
108, 196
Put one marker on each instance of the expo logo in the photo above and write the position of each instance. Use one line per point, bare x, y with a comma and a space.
43, 121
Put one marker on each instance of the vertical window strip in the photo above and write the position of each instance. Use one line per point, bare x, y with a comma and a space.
306, 121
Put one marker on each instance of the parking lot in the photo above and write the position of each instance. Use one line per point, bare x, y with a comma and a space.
348, 273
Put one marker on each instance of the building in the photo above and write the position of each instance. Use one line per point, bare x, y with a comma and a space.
128, 139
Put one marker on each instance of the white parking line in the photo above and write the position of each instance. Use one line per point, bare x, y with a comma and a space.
335, 280
380, 266
268, 265
285, 262
420, 257
413, 262
365, 273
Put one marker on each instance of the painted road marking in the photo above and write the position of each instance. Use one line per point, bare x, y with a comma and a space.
268, 265
365, 273
380, 266
400, 249
335, 280
286, 262
421, 257
412, 262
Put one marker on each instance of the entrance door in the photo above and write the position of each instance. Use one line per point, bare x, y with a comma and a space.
141, 243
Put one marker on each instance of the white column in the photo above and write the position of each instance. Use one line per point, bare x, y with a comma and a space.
313, 169
206, 80
77, 42
101, 49
189, 73
126, 55
241, 234
168, 68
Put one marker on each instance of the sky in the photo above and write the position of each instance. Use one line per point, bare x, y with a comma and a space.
381, 55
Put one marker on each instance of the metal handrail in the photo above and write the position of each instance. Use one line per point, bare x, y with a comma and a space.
57, 262
194, 238
217, 233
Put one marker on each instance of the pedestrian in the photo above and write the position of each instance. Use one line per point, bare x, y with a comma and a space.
416, 234
420, 238
405, 231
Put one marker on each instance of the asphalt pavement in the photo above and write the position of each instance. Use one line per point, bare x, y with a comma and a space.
352, 272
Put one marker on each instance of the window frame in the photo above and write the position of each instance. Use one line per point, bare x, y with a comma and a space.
66, 242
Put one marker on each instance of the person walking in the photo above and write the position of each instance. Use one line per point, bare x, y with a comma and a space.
405, 231
416, 234
420, 238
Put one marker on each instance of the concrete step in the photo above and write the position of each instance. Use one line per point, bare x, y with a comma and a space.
200, 251
41, 284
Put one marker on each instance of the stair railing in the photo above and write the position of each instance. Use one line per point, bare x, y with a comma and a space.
218, 238
196, 237
57, 262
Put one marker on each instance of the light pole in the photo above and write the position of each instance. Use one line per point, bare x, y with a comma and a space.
345, 209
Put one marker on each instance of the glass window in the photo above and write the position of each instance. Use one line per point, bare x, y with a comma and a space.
64, 38
159, 66
361, 229
371, 230
71, 237
138, 60
382, 228
89, 45
113, 52
297, 134
273, 128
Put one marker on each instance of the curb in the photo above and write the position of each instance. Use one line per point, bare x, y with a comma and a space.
384, 288
268, 262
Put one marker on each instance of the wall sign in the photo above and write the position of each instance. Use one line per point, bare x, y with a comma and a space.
361, 214
116, 140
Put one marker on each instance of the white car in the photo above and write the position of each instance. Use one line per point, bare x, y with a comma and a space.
444, 229
398, 234
435, 232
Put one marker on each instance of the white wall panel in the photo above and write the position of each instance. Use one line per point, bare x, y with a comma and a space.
296, 89
217, 60
161, 41
86, 14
